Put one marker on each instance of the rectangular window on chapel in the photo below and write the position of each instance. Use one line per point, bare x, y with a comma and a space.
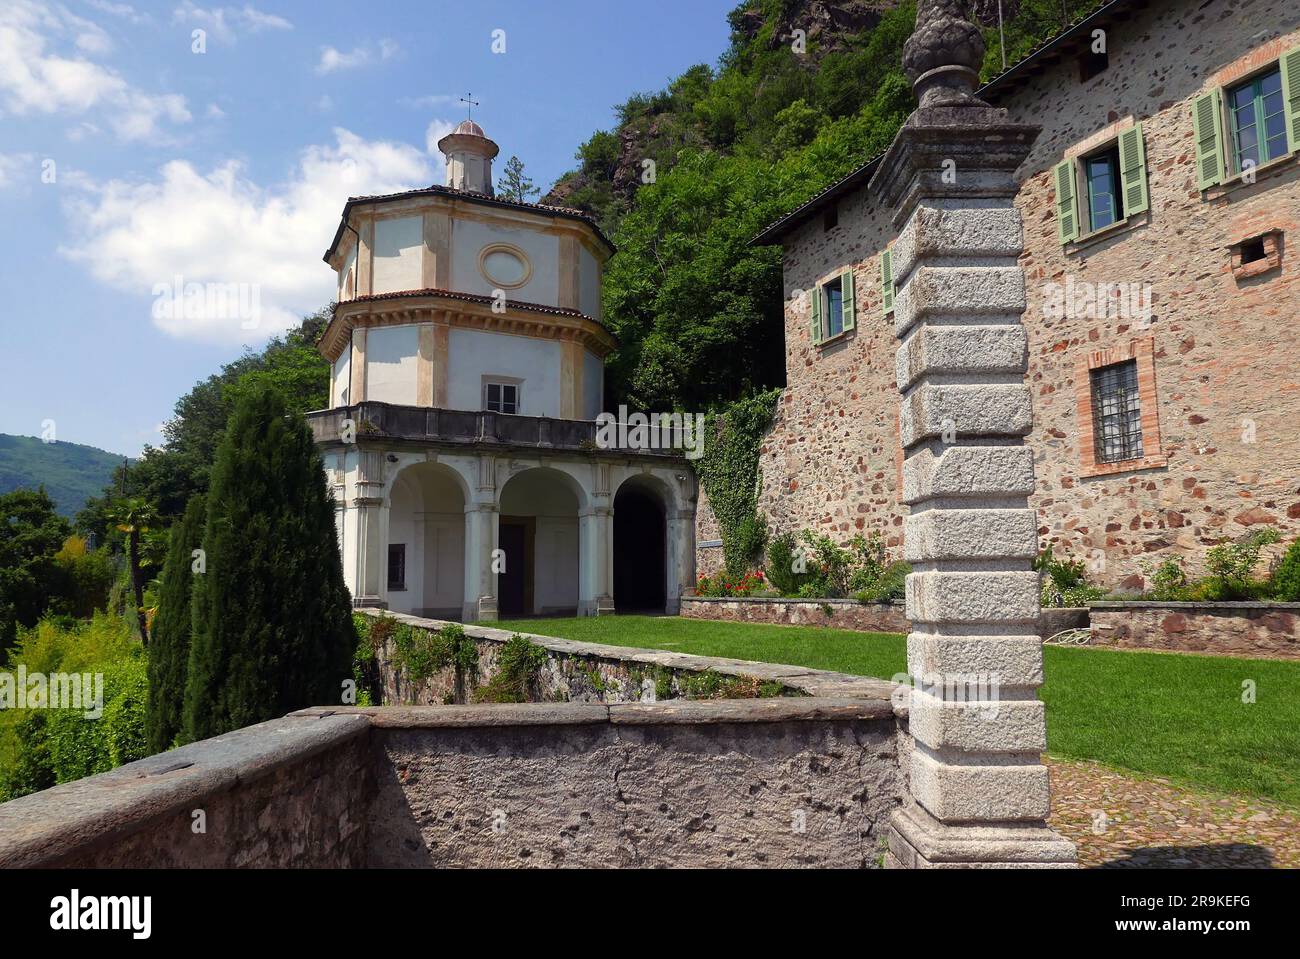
502, 397
1116, 413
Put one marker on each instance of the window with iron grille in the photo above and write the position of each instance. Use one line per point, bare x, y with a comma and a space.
1116, 413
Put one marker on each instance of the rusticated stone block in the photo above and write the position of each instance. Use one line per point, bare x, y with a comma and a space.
973, 597
961, 231
961, 349
970, 534
994, 726
1016, 660
996, 409
959, 471
958, 292
965, 793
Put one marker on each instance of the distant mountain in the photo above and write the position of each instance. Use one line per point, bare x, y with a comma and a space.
71, 473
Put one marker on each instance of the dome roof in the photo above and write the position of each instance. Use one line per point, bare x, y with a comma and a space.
471, 128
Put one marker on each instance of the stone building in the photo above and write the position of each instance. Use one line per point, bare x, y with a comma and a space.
470, 478
1161, 301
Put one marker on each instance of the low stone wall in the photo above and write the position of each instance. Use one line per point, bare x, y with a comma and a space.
1259, 630
783, 782
888, 617
577, 672
292, 792
776, 782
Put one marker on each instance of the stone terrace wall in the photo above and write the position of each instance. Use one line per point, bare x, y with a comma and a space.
292, 793
835, 613
805, 781
786, 782
1223, 349
596, 672
1258, 630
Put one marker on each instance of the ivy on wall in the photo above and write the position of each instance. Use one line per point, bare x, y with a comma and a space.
729, 472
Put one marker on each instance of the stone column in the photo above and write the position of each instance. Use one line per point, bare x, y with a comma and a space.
979, 792
680, 576
595, 561
480, 578
371, 546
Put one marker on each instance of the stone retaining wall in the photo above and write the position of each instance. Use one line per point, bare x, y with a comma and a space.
1259, 630
775, 782
578, 672
836, 613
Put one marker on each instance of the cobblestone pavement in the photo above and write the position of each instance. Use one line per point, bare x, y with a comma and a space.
1122, 822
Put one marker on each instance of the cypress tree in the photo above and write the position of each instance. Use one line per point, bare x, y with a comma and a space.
272, 627
169, 648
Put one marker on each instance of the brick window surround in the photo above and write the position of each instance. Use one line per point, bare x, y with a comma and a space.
1271, 260
1143, 351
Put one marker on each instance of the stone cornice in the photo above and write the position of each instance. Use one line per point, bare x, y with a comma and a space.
464, 311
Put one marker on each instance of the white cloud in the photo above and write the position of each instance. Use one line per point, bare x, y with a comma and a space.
34, 79
436, 131
333, 59
220, 227
123, 10
225, 22
422, 103
215, 112
16, 168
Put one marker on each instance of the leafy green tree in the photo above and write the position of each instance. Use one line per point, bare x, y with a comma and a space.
272, 629
31, 533
169, 652
515, 184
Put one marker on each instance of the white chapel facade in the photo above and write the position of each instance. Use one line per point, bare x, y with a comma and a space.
467, 354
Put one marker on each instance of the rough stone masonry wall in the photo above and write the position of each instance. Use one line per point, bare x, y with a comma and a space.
776, 782
762, 783
835, 613
289, 793
1259, 630
1223, 350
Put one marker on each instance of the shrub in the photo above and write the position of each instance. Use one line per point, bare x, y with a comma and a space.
1285, 584
1168, 583
890, 584
1064, 582
1231, 566
781, 561
515, 680
721, 584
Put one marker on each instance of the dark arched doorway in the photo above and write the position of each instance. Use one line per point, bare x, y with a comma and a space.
640, 538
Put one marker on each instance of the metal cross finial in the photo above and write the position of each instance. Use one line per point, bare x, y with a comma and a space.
469, 99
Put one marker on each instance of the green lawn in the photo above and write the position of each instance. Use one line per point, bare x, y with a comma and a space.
1156, 714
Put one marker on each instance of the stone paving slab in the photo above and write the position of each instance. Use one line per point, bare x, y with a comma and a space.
1120, 821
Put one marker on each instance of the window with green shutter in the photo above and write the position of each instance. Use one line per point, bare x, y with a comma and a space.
1067, 214
815, 325
846, 288
834, 306
887, 280
1289, 66
1133, 171
1207, 124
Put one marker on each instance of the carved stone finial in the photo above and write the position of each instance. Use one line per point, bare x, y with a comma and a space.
942, 58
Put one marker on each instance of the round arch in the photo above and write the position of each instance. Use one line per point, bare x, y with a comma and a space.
641, 567
425, 561
538, 535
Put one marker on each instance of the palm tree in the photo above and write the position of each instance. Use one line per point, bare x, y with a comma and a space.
135, 516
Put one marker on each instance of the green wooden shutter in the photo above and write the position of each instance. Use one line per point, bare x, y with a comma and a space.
815, 330
1290, 62
1207, 124
1133, 170
846, 286
1067, 213
887, 280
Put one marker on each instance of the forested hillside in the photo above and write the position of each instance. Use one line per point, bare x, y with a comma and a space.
71, 473
730, 148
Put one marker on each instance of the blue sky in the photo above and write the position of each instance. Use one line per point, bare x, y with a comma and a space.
129, 159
